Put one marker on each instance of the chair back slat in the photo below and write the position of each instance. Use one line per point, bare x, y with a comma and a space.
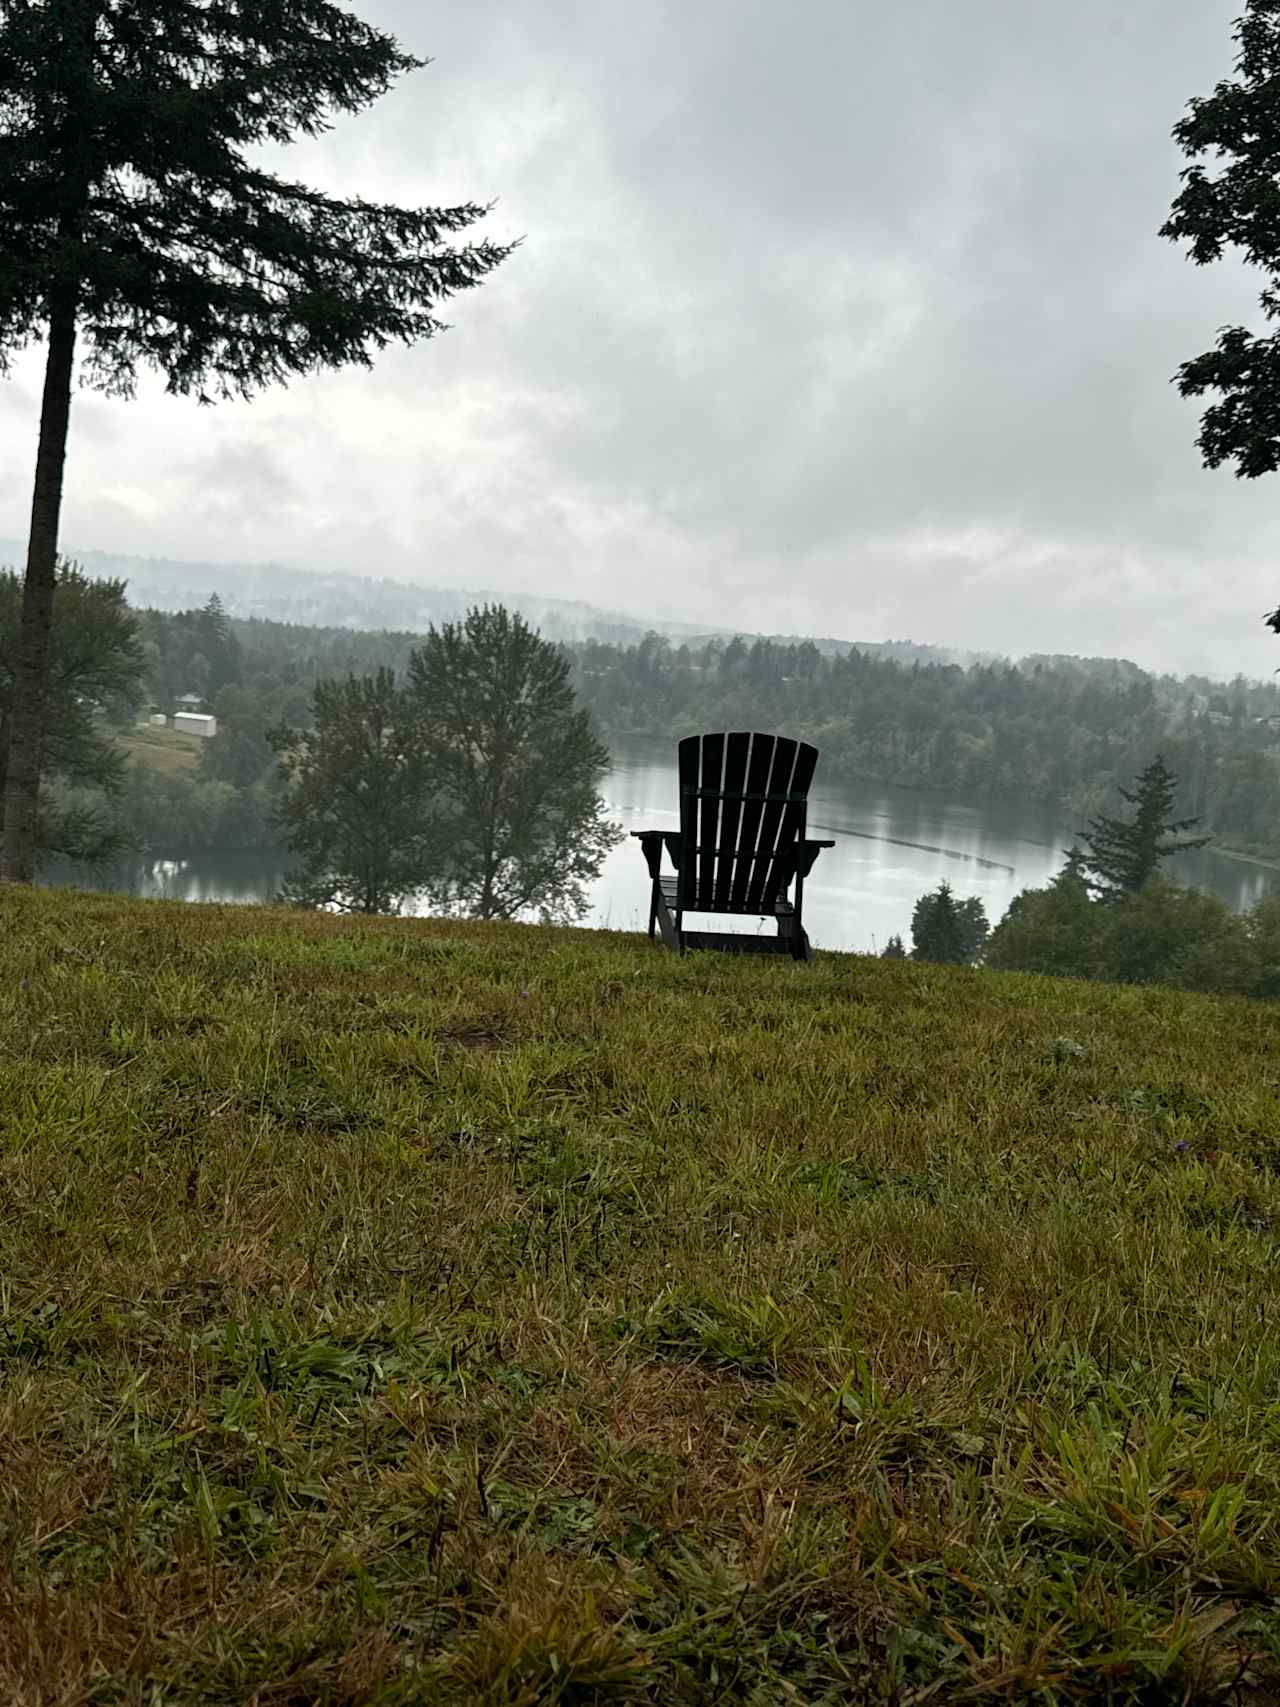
757, 896
710, 773
759, 773
689, 754
737, 752
782, 825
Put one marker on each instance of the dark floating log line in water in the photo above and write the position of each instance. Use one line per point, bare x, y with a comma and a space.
925, 847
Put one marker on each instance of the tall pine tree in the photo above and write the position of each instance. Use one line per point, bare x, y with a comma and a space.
137, 227
1119, 857
946, 930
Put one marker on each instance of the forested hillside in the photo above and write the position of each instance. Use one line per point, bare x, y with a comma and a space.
1061, 730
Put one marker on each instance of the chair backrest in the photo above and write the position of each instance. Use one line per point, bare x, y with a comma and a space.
742, 816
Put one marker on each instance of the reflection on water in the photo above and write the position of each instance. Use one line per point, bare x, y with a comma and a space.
892, 844
244, 876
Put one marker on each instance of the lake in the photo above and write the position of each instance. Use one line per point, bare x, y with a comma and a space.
892, 844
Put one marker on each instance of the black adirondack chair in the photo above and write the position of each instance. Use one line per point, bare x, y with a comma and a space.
740, 845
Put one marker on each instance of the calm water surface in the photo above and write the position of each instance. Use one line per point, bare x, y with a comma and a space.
892, 844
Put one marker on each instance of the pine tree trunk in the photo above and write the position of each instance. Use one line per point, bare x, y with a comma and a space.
31, 675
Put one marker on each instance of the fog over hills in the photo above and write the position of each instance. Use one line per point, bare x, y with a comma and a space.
333, 600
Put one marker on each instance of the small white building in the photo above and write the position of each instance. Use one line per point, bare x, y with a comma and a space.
195, 723
159, 720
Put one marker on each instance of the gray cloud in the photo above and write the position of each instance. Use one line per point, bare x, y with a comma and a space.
829, 316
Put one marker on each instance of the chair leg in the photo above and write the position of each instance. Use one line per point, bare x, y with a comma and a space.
669, 927
653, 910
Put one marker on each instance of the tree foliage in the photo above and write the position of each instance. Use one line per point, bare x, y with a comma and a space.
1159, 934
1119, 857
1234, 206
1055, 930
1061, 732
127, 131
893, 949
472, 783
517, 765
95, 675
946, 930
356, 808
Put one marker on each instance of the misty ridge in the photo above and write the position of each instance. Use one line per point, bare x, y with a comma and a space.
324, 599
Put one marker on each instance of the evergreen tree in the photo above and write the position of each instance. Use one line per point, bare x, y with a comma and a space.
893, 949
357, 807
517, 764
137, 222
1119, 856
218, 646
946, 930
1074, 870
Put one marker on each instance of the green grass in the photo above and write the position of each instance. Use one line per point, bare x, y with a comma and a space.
168, 751
414, 1312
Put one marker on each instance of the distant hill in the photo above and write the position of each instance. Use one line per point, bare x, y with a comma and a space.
325, 600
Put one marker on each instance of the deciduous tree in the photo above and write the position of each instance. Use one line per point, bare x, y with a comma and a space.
1231, 205
1055, 930
138, 227
517, 766
357, 809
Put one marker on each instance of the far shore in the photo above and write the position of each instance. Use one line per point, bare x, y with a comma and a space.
1249, 859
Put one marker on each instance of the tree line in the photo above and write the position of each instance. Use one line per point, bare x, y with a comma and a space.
469, 779
1064, 731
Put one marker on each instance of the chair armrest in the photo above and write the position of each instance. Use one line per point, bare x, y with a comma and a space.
652, 843
807, 853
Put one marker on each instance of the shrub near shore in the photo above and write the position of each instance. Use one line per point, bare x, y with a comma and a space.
405, 1310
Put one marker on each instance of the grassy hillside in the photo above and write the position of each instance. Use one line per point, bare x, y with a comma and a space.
165, 750
415, 1312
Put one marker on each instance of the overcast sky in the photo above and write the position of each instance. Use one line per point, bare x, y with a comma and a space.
829, 317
